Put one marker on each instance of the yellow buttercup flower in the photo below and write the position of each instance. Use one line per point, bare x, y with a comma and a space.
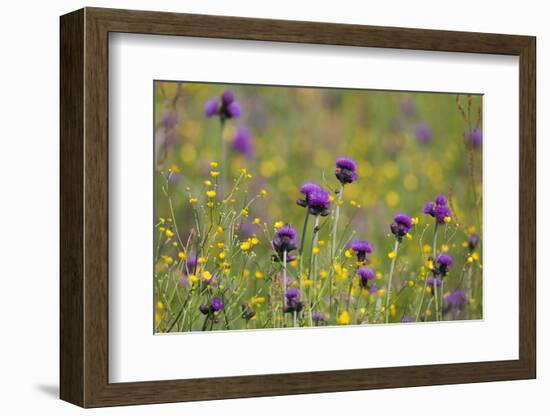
213, 165
168, 260
210, 204
245, 246
211, 194
447, 219
214, 173
258, 275
244, 212
256, 221
201, 260
193, 200
344, 318
182, 255
208, 183
392, 254
263, 193
315, 250
222, 255
169, 233
348, 253
279, 224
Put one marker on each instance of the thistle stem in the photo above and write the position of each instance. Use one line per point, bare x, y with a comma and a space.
434, 253
388, 292
223, 158
312, 265
336, 218
284, 284
301, 252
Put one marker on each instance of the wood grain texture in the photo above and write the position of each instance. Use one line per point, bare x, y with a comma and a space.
71, 217
84, 207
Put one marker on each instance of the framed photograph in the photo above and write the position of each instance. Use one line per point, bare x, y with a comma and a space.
263, 207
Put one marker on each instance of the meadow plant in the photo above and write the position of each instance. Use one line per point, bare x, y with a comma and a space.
223, 263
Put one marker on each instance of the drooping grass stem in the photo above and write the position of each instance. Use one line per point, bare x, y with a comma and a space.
388, 292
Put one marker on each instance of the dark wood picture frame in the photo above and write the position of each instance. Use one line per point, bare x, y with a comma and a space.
84, 207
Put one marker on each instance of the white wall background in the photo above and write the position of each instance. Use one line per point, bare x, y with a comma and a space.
29, 159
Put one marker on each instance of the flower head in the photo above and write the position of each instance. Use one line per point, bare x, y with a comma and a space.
361, 247
346, 170
401, 225
306, 189
366, 274
444, 262
216, 304
457, 299
225, 108
284, 239
423, 133
211, 108
438, 209
474, 137
473, 241
407, 319
318, 318
293, 302
318, 202
242, 142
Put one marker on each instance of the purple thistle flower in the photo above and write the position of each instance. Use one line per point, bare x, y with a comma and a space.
366, 274
473, 241
407, 319
318, 318
438, 281
293, 302
242, 142
438, 209
401, 226
444, 261
423, 133
216, 304
318, 202
211, 108
440, 199
292, 293
346, 170
284, 240
306, 189
226, 108
475, 137
361, 247
191, 263
233, 110
228, 97
457, 299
